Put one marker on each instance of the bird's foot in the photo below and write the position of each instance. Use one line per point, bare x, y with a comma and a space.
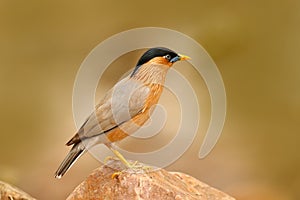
116, 174
108, 158
132, 167
137, 166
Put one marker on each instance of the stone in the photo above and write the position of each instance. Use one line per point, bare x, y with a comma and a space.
9, 192
113, 181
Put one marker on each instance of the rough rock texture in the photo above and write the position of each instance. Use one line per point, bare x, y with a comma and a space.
143, 184
8, 192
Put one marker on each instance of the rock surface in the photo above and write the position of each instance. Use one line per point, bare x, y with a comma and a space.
142, 184
8, 192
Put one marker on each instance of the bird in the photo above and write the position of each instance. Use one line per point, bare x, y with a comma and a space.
124, 108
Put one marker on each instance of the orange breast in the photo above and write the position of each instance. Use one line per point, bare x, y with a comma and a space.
139, 120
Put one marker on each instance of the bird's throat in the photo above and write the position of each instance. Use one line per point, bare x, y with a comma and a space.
152, 74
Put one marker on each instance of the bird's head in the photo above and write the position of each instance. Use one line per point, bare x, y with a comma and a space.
159, 55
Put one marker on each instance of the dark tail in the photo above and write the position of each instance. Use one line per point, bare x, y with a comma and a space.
76, 151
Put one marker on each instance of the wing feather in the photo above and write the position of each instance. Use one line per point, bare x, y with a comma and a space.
120, 104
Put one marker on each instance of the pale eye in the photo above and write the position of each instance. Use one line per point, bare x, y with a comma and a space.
168, 57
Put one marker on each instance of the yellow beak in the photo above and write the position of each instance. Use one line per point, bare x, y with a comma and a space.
183, 57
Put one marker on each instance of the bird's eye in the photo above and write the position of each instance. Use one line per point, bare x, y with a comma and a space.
168, 57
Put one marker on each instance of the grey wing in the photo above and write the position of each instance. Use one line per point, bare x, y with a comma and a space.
124, 101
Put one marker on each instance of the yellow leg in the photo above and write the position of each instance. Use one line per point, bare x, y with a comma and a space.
107, 159
134, 165
127, 164
120, 156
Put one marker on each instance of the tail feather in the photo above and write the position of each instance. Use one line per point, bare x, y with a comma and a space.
76, 151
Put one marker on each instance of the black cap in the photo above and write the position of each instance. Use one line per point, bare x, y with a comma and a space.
152, 53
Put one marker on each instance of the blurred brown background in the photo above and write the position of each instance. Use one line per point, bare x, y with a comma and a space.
255, 44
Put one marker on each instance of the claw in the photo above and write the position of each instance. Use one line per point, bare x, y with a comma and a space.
135, 166
107, 159
147, 168
116, 175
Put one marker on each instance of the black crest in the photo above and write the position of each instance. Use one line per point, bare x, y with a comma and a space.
152, 53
